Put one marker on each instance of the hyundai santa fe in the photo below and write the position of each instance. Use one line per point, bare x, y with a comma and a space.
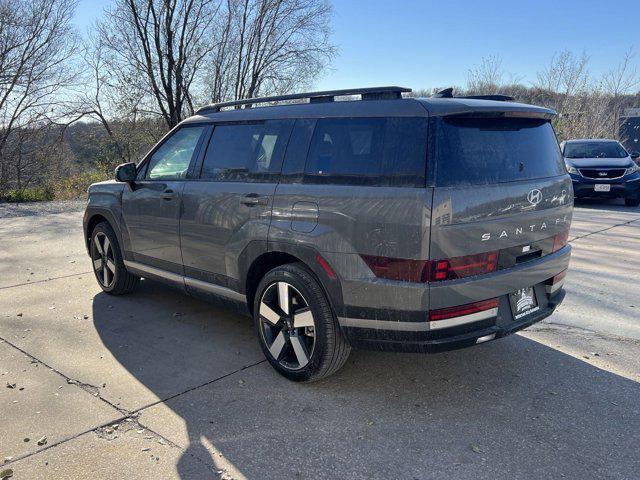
351, 219
602, 169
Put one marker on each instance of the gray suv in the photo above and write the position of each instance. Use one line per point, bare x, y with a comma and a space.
379, 222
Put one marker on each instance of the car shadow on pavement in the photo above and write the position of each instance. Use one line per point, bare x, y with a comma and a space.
514, 408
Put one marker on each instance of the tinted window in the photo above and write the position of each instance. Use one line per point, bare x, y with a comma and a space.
368, 151
246, 152
495, 150
594, 150
171, 161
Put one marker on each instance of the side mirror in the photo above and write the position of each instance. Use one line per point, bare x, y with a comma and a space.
635, 155
126, 172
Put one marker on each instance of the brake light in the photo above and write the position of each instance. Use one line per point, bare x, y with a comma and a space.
460, 310
398, 268
560, 240
460, 267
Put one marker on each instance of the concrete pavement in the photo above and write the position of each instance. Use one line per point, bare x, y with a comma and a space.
159, 385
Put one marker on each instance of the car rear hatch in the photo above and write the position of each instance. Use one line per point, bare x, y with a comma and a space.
501, 208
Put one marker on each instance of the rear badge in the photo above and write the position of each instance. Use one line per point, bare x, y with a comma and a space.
526, 248
523, 303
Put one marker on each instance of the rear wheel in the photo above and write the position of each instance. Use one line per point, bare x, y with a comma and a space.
632, 202
296, 327
108, 266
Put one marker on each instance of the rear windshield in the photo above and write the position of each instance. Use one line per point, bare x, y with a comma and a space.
594, 150
475, 151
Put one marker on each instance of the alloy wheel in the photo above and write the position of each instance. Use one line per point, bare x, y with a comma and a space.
287, 325
104, 264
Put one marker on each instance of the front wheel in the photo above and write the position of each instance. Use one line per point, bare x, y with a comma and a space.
108, 266
632, 202
297, 329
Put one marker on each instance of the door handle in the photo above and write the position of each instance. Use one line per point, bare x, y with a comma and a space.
168, 194
253, 199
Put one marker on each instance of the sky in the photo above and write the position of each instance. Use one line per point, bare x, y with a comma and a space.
427, 44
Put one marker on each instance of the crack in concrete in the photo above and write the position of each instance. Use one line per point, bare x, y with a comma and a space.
604, 229
130, 417
45, 280
93, 390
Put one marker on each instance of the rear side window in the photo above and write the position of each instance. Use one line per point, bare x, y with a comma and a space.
476, 151
250, 152
368, 151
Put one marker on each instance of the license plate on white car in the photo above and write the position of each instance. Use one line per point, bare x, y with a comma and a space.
602, 187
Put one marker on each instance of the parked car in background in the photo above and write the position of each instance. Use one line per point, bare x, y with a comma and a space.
602, 168
387, 223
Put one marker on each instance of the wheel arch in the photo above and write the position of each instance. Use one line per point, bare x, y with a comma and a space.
284, 254
94, 217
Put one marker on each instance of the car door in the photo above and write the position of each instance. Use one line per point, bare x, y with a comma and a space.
151, 206
229, 205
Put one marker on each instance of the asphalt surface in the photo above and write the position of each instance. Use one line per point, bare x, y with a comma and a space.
159, 385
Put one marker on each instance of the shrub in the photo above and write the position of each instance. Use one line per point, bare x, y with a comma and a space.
75, 187
29, 194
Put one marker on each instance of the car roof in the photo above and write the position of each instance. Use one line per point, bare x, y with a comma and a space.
405, 107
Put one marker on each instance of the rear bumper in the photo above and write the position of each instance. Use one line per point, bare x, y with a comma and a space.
410, 331
479, 333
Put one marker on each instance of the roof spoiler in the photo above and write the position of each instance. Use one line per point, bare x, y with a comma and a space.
448, 93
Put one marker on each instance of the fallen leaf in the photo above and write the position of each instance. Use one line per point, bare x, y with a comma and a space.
42, 441
11, 385
475, 448
20, 314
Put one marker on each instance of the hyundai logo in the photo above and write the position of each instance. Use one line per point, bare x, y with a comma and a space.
534, 196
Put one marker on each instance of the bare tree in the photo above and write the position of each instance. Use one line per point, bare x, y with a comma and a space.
486, 77
159, 47
619, 82
36, 44
271, 46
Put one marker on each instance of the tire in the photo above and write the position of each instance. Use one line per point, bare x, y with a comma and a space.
106, 259
309, 330
632, 202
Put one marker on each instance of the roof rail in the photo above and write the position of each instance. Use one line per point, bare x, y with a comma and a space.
370, 93
448, 93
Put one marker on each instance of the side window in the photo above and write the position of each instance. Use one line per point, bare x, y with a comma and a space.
246, 152
368, 151
297, 149
171, 161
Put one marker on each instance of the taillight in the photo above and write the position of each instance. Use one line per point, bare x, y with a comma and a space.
560, 240
460, 267
437, 270
398, 268
460, 310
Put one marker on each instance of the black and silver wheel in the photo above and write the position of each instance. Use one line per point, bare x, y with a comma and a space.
108, 266
298, 331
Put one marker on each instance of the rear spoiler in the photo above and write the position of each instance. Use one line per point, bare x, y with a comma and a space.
448, 93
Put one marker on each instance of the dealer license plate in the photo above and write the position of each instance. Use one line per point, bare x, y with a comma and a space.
523, 302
